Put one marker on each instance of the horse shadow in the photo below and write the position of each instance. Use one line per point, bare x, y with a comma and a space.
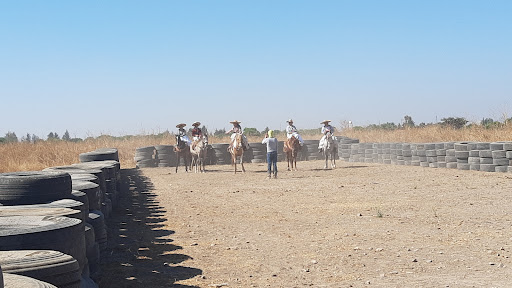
140, 251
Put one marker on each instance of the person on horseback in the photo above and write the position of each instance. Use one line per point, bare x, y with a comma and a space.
291, 130
326, 129
182, 134
197, 134
238, 129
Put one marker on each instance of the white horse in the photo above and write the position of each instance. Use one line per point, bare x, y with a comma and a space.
330, 148
198, 153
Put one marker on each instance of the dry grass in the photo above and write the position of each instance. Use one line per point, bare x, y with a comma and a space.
32, 157
432, 134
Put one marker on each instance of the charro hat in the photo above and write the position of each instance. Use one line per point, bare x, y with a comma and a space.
289, 120
181, 125
325, 122
197, 123
235, 122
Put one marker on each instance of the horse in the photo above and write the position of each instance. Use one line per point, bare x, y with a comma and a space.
182, 150
330, 149
236, 150
198, 153
291, 148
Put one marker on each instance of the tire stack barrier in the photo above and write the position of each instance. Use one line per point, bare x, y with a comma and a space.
165, 156
220, 153
44, 212
477, 156
310, 150
259, 152
145, 157
18, 281
52, 267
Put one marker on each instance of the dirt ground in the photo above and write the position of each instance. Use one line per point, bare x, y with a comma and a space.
359, 225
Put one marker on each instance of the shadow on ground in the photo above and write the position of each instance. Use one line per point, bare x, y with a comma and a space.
140, 250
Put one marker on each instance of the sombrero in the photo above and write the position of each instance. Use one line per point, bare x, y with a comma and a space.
196, 123
289, 120
181, 125
235, 122
325, 121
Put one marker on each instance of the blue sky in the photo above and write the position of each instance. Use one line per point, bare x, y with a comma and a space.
139, 67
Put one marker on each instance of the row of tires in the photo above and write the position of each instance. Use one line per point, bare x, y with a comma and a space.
217, 154
52, 222
478, 156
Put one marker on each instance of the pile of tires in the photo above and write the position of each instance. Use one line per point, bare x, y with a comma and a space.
259, 152
309, 150
219, 154
145, 157
165, 156
101, 154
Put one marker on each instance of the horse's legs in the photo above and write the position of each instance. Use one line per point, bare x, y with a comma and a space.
177, 161
242, 162
326, 158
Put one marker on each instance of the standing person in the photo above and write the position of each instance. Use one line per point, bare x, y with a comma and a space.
327, 128
238, 129
182, 134
271, 142
291, 130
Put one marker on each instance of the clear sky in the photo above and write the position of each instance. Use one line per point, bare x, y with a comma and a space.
140, 67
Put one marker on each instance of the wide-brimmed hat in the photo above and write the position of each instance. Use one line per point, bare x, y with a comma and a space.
196, 123
325, 122
289, 120
235, 122
181, 125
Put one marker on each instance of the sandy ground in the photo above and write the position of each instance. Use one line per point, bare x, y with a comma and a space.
359, 225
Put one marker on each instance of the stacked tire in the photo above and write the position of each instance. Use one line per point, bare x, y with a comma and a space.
165, 156
259, 152
145, 157
220, 154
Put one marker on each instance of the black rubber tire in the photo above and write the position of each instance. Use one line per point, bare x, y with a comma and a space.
33, 187
499, 154
485, 154
44, 233
39, 210
71, 204
93, 192
167, 149
80, 197
496, 146
19, 281
145, 149
99, 155
53, 267
97, 220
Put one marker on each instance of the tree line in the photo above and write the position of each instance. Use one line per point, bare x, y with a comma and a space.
10, 137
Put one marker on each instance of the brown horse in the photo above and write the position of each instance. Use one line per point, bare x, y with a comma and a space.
236, 150
182, 150
291, 148
198, 153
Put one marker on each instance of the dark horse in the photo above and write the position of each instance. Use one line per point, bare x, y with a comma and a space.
182, 150
291, 148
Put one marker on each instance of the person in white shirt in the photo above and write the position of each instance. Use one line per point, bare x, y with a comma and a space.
291, 130
238, 129
327, 128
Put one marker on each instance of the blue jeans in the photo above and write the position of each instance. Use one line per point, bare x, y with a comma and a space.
272, 160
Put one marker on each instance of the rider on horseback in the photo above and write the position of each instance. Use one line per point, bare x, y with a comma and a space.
197, 134
182, 134
238, 129
291, 130
326, 129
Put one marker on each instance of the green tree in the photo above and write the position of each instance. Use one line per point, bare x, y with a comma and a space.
408, 122
10, 137
251, 132
454, 122
66, 137
219, 133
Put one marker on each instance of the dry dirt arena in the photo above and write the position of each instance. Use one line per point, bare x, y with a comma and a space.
359, 225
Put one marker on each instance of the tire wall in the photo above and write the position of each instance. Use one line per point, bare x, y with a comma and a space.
477, 156
100, 170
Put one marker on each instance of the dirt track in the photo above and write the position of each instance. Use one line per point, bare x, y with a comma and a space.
360, 225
